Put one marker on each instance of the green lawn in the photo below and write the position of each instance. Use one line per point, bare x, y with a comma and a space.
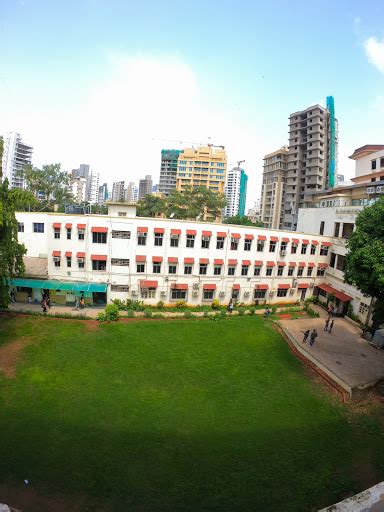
182, 415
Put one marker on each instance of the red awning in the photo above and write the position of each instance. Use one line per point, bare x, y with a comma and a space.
209, 287
191, 232
302, 286
68, 254
218, 262
281, 263
246, 262
157, 259
68, 226
339, 295
189, 260
261, 287
322, 265
80, 254
292, 264
270, 263
140, 258
56, 253
159, 230
204, 260
274, 238
236, 287
57, 225
302, 264
258, 263
249, 237
305, 242
177, 286
235, 235
207, 233
285, 239
314, 242
283, 286
326, 244
311, 264
295, 241
81, 226
222, 234
142, 229
172, 259
175, 231
148, 284
99, 230
98, 257
261, 237
232, 262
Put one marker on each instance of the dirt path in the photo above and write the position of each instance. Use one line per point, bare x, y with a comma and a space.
10, 355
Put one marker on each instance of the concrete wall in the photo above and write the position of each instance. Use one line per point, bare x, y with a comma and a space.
363, 165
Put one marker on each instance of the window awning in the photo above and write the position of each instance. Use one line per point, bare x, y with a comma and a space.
159, 231
292, 264
236, 287
98, 257
51, 284
221, 234
326, 244
205, 261
261, 237
179, 286
68, 226
68, 254
209, 286
56, 253
270, 263
157, 259
301, 264
142, 229
303, 286
175, 231
140, 257
235, 235
305, 242
232, 262
311, 264
81, 226
148, 284
96, 229
314, 242
80, 255
283, 286
189, 260
281, 263
322, 265
246, 262
172, 259
274, 238
57, 225
284, 239
295, 241
249, 237
191, 231
339, 295
207, 233
261, 287
258, 263
218, 262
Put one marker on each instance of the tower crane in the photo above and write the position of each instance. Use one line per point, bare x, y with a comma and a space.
209, 144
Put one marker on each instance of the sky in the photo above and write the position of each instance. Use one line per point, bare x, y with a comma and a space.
112, 82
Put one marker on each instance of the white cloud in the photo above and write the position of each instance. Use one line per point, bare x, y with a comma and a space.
375, 52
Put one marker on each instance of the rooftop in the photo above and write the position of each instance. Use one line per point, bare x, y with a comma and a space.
366, 150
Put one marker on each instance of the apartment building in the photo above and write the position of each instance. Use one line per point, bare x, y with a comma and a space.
145, 186
119, 255
78, 188
168, 170
273, 188
312, 157
118, 193
131, 194
103, 194
91, 178
236, 192
202, 166
16, 154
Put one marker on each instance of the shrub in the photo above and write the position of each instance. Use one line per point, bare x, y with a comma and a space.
352, 315
111, 312
274, 309
206, 315
160, 304
157, 315
187, 314
148, 313
180, 304
136, 305
119, 303
130, 313
101, 317
311, 312
223, 313
215, 304
252, 311
241, 311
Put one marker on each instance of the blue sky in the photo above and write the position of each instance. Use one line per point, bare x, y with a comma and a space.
111, 82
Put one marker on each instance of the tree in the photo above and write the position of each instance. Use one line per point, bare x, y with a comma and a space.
24, 200
364, 266
150, 206
242, 221
11, 252
196, 202
49, 181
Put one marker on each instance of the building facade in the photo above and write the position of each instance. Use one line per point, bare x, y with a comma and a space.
273, 188
123, 256
204, 166
236, 192
145, 186
118, 192
78, 188
168, 170
103, 194
16, 154
131, 193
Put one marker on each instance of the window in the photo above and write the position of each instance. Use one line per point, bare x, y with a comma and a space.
291, 270
322, 227
56, 233
69, 233
80, 234
121, 234
56, 262
217, 270
300, 271
363, 308
178, 294
244, 270
282, 293
220, 242
260, 245
174, 240
320, 271
268, 272
235, 294
313, 249
38, 227
293, 248
381, 163
373, 165
119, 288
119, 262
191, 241
99, 238
69, 261
272, 246
141, 238
140, 268
234, 244
188, 269
20, 227
148, 293
99, 265
280, 270
340, 264
81, 262
247, 245
171, 269
309, 271
159, 239
259, 294
323, 250
156, 267
205, 242
231, 270
283, 246
203, 269
304, 248
257, 271
208, 294
122, 214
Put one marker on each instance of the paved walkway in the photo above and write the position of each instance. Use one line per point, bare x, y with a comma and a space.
346, 357
89, 311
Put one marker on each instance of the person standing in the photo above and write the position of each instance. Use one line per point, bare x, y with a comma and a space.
12, 297
30, 296
230, 307
326, 324
330, 327
44, 305
313, 337
77, 303
306, 334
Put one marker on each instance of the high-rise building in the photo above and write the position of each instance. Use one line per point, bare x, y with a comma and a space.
236, 192
16, 154
131, 194
145, 186
273, 188
254, 212
312, 159
92, 192
118, 191
204, 167
103, 194
77, 188
168, 170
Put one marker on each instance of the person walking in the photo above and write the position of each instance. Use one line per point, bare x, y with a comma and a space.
230, 307
326, 324
330, 326
82, 302
30, 297
12, 297
313, 337
44, 305
267, 312
306, 334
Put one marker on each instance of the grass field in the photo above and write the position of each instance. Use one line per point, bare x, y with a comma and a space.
182, 415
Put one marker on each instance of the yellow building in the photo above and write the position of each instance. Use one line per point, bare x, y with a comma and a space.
202, 167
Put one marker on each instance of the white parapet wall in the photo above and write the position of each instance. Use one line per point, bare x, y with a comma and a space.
371, 500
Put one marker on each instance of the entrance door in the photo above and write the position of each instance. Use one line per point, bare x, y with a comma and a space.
303, 293
99, 297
